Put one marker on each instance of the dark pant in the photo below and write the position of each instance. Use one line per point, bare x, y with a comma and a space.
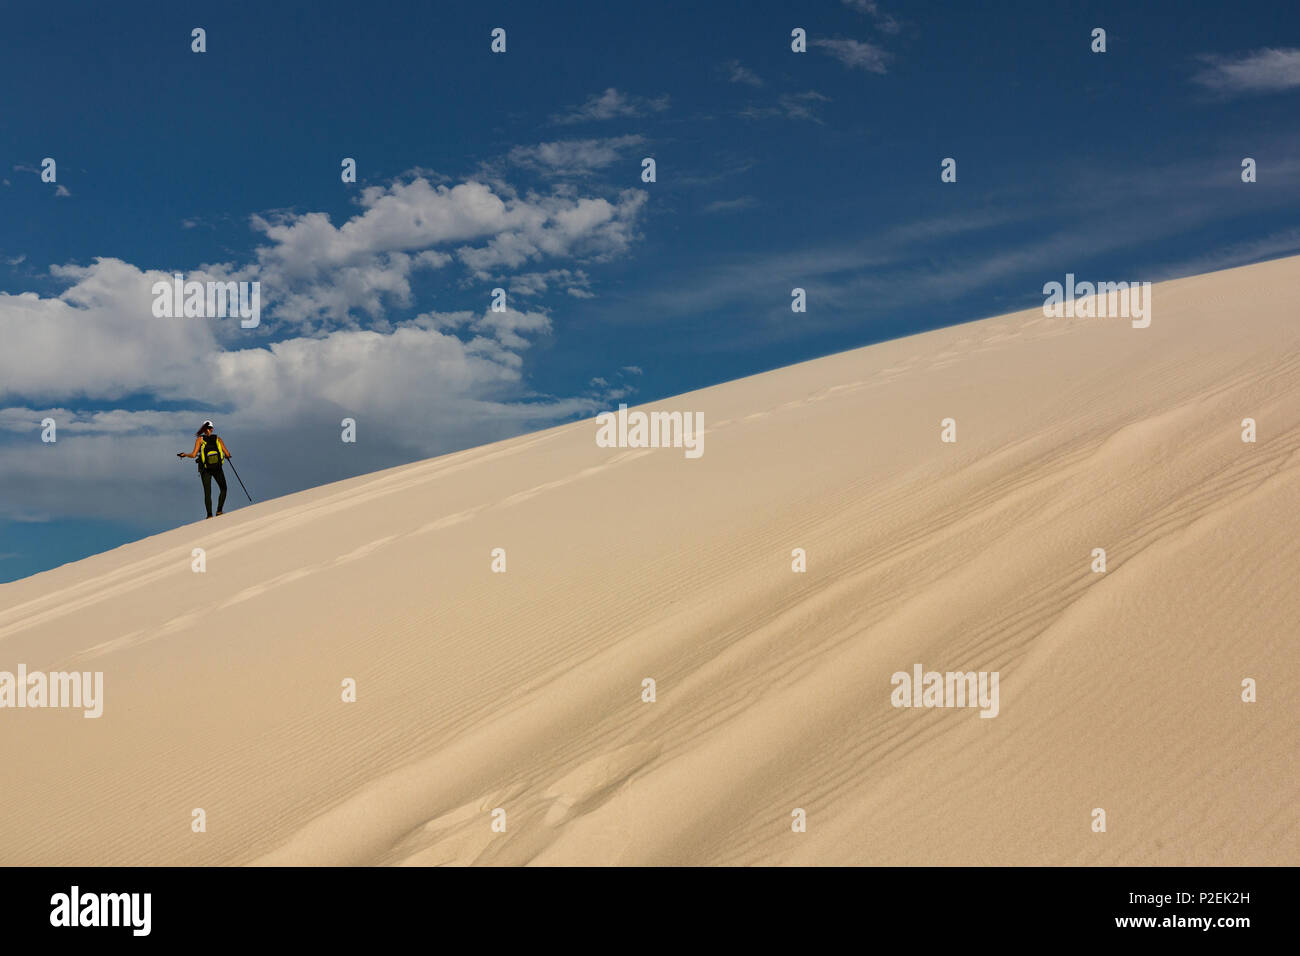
207, 474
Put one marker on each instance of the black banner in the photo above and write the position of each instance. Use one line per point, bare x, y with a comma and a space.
181, 905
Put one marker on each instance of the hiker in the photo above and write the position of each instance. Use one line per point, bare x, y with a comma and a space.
210, 451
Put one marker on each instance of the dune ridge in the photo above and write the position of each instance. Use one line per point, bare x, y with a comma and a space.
522, 690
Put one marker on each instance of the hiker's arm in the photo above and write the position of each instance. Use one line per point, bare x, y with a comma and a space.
224, 450
195, 453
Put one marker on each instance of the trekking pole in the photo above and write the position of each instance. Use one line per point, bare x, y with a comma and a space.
241, 482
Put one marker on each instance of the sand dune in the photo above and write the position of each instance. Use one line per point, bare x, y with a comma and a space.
523, 690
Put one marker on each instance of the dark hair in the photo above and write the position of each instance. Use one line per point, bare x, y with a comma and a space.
201, 430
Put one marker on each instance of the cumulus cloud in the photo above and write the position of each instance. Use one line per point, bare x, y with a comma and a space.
313, 271
554, 226
99, 341
575, 282
434, 383
418, 386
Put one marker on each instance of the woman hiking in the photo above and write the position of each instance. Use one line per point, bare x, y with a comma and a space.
210, 451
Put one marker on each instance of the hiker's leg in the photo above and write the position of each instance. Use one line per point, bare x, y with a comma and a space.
221, 483
207, 491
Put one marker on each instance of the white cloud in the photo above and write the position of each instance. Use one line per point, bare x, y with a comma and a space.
419, 386
789, 106
575, 157
606, 391
312, 271
884, 22
718, 173
98, 339
1283, 243
855, 54
731, 205
72, 421
575, 282
611, 105
435, 383
62, 190
399, 217
552, 226
742, 74
1263, 71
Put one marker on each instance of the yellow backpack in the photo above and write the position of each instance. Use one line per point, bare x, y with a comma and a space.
212, 453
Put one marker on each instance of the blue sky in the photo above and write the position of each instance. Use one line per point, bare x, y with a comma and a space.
522, 170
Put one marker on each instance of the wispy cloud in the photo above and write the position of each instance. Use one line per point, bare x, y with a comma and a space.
731, 205
738, 73
614, 387
723, 170
1284, 243
611, 104
999, 254
789, 106
884, 22
574, 157
855, 54
1263, 71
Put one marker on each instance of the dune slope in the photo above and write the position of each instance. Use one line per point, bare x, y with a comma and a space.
523, 690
